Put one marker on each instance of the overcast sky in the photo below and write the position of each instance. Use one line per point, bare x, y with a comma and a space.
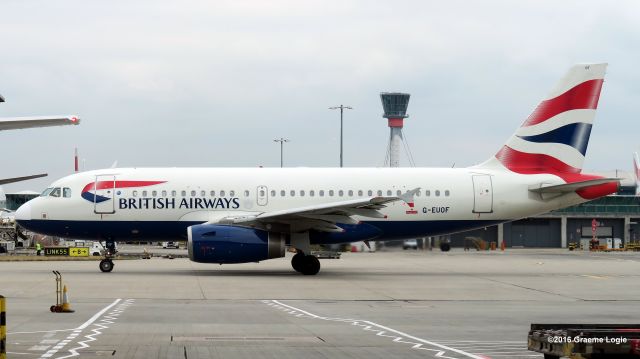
212, 83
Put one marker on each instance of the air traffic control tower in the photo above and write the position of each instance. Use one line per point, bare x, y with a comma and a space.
395, 110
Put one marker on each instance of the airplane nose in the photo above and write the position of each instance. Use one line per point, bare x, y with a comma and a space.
24, 212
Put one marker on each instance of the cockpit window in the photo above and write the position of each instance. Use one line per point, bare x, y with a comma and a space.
46, 192
66, 192
55, 192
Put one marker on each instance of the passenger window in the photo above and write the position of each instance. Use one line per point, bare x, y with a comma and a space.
437, 193
144, 193
66, 192
321, 192
232, 193
183, 193
427, 193
55, 192
213, 193
340, 193
330, 193
221, 193
369, 193
154, 193
262, 193
292, 193
379, 192
174, 193
164, 193
301, 193
350, 193
446, 193
283, 193
273, 193
360, 193
312, 193
246, 193
203, 193
134, 193
398, 193
389, 192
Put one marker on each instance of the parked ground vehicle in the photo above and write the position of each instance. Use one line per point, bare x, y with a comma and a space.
170, 245
410, 244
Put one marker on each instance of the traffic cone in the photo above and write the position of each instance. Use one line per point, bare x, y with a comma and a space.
66, 306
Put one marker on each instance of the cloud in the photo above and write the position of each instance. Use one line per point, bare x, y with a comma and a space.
211, 83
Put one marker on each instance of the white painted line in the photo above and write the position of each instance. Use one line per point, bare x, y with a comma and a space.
79, 329
39, 348
102, 324
43, 331
382, 332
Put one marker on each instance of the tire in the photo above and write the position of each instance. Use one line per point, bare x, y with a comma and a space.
297, 262
311, 265
445, 247
106, 265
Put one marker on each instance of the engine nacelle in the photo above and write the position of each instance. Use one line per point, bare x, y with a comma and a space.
211, 243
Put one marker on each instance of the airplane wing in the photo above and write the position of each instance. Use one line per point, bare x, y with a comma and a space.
322, 217
18, 179
14, 123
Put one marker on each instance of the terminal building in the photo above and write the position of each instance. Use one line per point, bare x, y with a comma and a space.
616, 216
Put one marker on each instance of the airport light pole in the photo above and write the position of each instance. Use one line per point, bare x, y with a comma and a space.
282, 141
342, 108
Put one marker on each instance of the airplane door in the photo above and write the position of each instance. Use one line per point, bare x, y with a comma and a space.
482, 194
104, 194
263, 196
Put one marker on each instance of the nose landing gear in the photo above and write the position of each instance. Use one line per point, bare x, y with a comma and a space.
106, 265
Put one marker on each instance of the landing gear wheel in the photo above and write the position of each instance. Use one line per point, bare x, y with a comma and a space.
106, 265
310, 265
445, 247
297, 261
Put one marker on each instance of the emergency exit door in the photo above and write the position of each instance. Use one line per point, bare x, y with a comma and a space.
482, 194
104, 194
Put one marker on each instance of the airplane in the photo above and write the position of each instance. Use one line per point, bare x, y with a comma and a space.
239, 215
15, 123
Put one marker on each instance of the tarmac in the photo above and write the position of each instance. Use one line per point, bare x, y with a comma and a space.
388, 304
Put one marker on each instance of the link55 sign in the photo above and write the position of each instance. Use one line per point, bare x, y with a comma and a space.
56, 251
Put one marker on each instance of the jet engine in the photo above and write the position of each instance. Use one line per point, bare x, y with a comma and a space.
212, 243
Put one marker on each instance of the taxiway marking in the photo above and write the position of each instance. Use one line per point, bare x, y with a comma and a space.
381, 330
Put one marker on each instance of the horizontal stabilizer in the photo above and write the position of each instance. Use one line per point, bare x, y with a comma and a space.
570, 187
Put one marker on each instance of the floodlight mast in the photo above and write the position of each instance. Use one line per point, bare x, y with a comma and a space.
282, 141
342, 108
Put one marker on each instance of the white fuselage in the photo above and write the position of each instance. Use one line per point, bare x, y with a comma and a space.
450, 200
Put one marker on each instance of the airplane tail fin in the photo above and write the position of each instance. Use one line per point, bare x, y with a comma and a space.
636, 171
554, 138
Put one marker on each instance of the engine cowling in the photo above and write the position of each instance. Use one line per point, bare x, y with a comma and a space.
212, 243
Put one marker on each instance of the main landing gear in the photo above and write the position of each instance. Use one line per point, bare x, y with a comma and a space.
106, 265
302, 262
305, 264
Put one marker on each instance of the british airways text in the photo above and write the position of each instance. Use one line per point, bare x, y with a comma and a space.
173, 203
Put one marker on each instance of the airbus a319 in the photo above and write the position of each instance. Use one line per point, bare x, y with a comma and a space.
236, 215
